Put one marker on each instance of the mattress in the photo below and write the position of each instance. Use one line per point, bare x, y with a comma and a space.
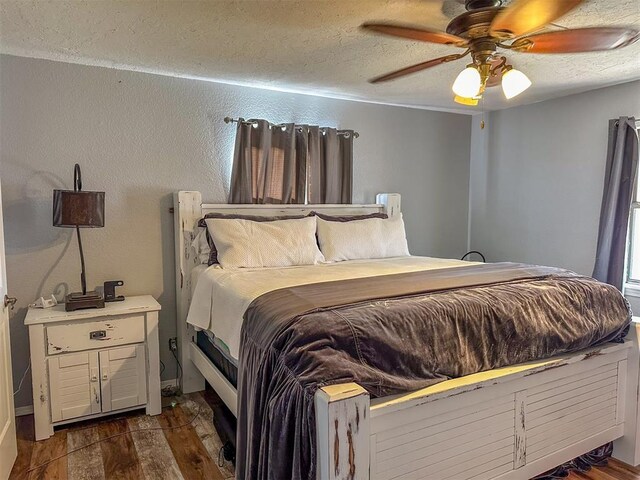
211, 346
218, 355
221, 296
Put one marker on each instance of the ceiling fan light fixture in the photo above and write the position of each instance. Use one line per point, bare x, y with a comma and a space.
514, 82
519, 27
466, 101
468, 83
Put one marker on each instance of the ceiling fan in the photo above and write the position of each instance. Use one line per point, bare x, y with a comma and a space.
487, 26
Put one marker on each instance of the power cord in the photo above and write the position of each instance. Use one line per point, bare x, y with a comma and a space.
172, 390
179, 379
197, 414
484, 260
24, 375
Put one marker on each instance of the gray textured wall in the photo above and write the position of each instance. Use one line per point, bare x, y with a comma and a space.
140, 137
537, 174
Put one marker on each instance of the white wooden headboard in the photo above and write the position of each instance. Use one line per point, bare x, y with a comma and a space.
188, 209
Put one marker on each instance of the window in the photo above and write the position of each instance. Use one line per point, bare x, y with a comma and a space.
633, 246
291, 164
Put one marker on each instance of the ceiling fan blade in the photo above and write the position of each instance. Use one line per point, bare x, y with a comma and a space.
416, 68
526, 16
577, 40
417, 34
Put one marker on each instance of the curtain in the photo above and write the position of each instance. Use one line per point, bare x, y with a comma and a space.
291, 164
330, 164
266, 168
620, 174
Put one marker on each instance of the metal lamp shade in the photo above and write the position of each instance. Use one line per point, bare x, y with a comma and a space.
78, 209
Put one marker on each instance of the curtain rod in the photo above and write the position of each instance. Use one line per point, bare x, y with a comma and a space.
236, 120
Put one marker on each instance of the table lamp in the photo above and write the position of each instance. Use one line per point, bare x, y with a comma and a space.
79, 209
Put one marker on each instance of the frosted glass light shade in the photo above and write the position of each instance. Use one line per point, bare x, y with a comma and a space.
514, 82
468, 83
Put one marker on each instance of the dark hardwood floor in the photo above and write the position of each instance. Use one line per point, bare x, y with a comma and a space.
181, 443
615, 470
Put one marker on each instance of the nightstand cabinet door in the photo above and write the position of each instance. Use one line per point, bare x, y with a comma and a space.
75, 385
123, 377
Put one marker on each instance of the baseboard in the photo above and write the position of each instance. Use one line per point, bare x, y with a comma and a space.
22, 411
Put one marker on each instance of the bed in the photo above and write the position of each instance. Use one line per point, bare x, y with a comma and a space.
447, 424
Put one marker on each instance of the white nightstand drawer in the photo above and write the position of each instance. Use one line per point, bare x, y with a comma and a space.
87, 335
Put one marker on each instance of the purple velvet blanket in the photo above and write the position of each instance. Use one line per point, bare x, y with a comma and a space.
399, 333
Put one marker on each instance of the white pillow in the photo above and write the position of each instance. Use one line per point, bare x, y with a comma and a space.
360, 239
201, 246
281, 243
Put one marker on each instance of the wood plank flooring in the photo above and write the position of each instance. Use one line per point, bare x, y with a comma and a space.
181, 444
615, 470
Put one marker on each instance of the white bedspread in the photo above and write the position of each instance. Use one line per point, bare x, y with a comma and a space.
221, 297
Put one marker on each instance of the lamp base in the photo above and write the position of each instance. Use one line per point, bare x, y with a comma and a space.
78, 301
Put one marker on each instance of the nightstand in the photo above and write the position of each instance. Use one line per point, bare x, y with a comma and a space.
95, 362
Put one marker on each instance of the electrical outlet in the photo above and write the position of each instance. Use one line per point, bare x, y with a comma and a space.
173, 344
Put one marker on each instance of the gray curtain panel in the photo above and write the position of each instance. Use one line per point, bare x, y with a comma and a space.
308, 142
620, 175
289, 164
266, 166
330, 165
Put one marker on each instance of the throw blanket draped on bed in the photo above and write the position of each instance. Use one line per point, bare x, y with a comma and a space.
399, 333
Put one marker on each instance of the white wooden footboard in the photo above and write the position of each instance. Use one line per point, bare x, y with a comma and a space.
509, 423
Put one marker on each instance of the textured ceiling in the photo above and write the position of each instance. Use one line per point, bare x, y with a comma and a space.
302, 46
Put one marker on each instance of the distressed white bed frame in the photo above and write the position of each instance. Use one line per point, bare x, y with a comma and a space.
509, 423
